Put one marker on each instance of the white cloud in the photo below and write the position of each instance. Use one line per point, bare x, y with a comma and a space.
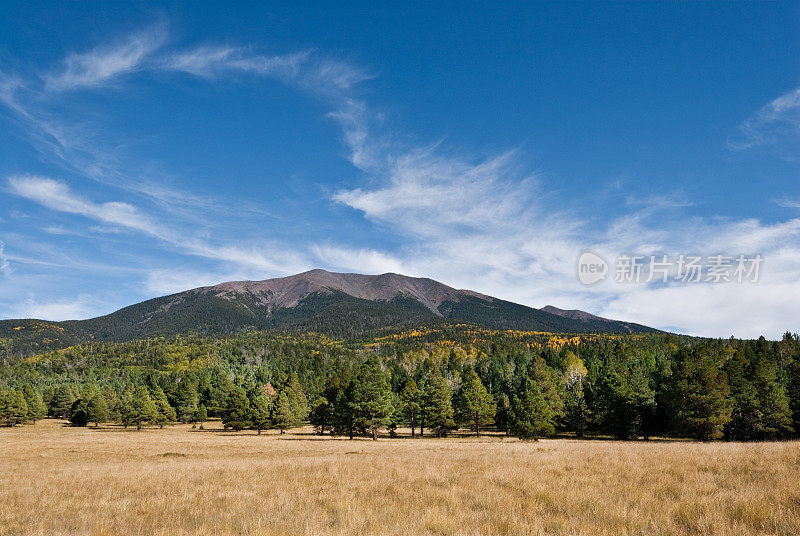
327, 79
426, 194
103, 64
57, 196
477, 225
5, 266
82, 147
788, 203
721, 310
211, 62
775, 123
83, 306
259, 259
367, 261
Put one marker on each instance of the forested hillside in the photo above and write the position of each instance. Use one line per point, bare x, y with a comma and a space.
432, 380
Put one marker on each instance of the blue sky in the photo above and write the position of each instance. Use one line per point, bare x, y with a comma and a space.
147, 149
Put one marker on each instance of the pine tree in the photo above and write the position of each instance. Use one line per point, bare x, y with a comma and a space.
474, 403
165, 413
746, 418
791, 348
549, 384
61, 403
47, 397
186, 401
776, 413
327, 410
214, 393
140, 408
124, 413
410, 404
704, 404
533, 417
260, 409
78, 415
236, 411
36, 408
13, 408
88, 391
437, 406
643, 395
202, 414
112, 402
423, 372
321, 415
97, 410
298, 399
344, 418
626, 401
283, 416
372, 398
503, 415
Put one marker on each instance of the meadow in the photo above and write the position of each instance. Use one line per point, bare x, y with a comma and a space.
58, 480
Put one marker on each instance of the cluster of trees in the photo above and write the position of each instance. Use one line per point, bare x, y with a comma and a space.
433, 399
528, 385
135, 406
21, 405
261, 407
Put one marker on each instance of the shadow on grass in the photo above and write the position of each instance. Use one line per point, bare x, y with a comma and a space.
308, 435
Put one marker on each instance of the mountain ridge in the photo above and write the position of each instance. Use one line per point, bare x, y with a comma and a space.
385, 286
574, 314
343, 305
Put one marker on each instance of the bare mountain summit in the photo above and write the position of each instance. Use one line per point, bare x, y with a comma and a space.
289, 291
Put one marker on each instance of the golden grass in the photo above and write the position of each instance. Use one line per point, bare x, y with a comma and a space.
56, 480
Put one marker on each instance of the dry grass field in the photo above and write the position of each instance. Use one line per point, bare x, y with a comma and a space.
177, 481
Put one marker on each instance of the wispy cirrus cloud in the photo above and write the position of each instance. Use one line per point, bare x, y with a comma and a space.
776, 123
82, 147
56, 195
5, 266
263, 257
216, 61
483, 225
788, 203
102, 65
426, 193
326, 79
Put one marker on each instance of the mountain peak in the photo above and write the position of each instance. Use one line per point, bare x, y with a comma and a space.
289, 291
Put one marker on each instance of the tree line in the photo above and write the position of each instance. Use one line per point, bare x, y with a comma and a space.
620, 386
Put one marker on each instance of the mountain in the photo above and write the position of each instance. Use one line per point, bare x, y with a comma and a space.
340, 305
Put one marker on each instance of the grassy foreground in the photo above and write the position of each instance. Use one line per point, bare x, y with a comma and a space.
177, 481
